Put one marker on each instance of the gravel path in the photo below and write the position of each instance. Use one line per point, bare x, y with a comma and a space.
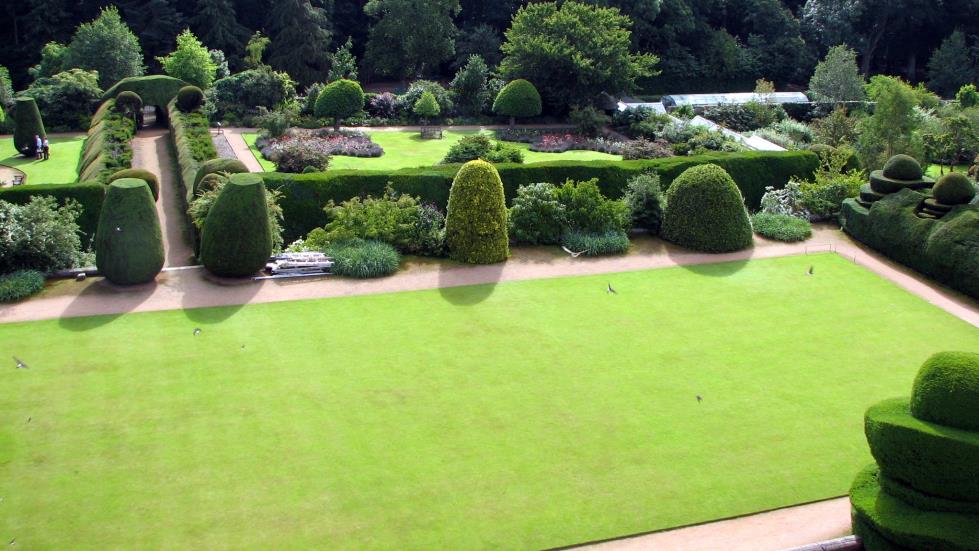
151, 151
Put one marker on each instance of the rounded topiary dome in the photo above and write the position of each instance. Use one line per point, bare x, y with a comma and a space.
236, 240
140, 174
190, 98
903, 167
129, 102
705, 212
946, 390
518, 98
954, 188
216, 166
128, 241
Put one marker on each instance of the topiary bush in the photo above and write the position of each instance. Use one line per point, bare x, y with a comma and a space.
340, 99
479, 146
705, 212
190, 98
518, 99
954, 188
236, 240
217, 166
129, 103
946, 390
644, 197
27, 125
781, 227
128, 242
903, 167
140, 174
537, 217
596, 244
158, 90
363, 258
476, 223
21, 284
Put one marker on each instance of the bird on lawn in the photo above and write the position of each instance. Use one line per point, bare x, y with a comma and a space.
572, 253
811, 269
20, 364
610, 290
197, 331
699, 399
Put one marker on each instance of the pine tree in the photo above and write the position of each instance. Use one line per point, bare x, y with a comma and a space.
216, 24
410, 38
344, 64
301, 37
156, 23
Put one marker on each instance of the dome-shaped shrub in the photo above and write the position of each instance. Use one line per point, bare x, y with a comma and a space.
476, 222
214, 166
129, 102
339, 100
518, 98
705, 212
236, 240
211, 181
190, 98
954, 188
128, 241
140, 174
27, 125
946, 390
902, 167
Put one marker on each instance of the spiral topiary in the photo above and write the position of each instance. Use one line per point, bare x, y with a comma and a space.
236, 240
954, 188
128, 241
476, 221
705, 212
189, 98
518, 99
923, 492
140, 174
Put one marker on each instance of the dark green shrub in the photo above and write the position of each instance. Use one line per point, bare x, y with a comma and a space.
212, 182
192, 142
218, 166
241, 94
363, 258
954, 188
781, 227
946, 391
208, 194
399, 220
305, 195
537, 217
476, 223
108, 148
589, 211
236, 240
518, 99
597, 244
27, 125
140, 174
66, 99
20, 285
588, 121
88, 196
129, 243
39, 235
903, 167
190, 98
340, 99
705, 212
644, 197
479, 146
129, 103
404, 103
158, 90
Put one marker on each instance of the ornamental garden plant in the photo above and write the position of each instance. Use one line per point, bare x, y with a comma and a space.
476, 221
129, 242
339, 100
235, 239
705, 212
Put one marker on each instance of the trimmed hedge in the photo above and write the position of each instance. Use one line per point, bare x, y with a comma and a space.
158, 90
946, 391
340, 99
946, 249
781, 227
236, 240
476, 218
189, 98
518, 99
214, 166
140, 174
129, 242
108, 147
305, 195
954, 188
89, 195
27, 125
705, 212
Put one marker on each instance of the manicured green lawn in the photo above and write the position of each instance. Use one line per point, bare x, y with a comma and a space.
522, 416
408, 150
61, 168
936, 171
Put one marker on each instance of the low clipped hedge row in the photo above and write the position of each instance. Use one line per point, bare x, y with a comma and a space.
191, 139
90, 195
305, 195
158, 90
108, 147
946, 249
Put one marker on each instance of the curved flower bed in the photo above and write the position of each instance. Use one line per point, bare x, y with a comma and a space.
323, 142
558, 141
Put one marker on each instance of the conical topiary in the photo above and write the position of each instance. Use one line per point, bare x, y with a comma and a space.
476, 221
128, 241
923, 492
705, 212
27, 126
236, 240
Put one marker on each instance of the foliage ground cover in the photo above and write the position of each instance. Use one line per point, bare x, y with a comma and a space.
480, 420
408, 150
61, 168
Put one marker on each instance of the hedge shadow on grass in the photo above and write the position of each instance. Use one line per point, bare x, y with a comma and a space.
122, 300
722, 267
244, 290
468, 286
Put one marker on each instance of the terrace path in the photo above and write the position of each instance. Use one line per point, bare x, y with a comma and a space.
151, 151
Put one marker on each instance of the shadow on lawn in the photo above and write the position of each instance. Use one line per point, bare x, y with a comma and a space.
103, 296
713, 265
468, 285
237, 294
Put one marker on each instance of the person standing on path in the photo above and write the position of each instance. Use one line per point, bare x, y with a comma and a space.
47, 148
38, 147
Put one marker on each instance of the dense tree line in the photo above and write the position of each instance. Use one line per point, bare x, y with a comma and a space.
700, 43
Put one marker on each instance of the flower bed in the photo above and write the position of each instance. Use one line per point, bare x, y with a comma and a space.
558, 141
324, 142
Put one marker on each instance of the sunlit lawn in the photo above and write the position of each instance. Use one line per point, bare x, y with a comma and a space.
62, 168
